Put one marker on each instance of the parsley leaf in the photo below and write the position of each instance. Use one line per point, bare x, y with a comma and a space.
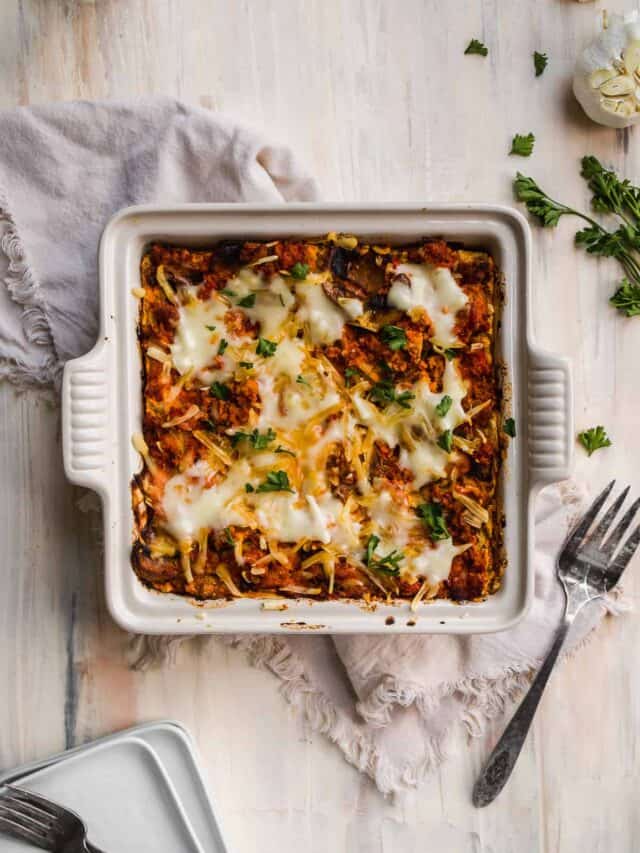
351, 373
257, 441
302, 381
433, 517
219, 391
299, 271
248, 488
522, 145
248, 365
445, 440
266, 348
540, 62
477, 47
228, 536
222, 346
394, 337
593, 439
248, 301
210, 424
281, 449
444, 405
211, 328
276, 481
227, 292
384, 393
388, 564
509, 427
627, 298
538, 203
450, 354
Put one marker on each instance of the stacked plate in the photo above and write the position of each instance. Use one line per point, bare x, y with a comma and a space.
139, 790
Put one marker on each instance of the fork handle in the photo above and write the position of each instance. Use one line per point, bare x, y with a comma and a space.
505, 754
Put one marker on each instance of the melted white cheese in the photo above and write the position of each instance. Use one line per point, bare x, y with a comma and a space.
195, 345
435, 290
273, 301
192, 504
290, 517
434, 564
324, 319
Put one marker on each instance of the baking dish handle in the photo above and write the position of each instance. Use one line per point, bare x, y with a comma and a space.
85, 419
550, 422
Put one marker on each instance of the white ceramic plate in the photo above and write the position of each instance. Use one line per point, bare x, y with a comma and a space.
123, 794
175, 750
102, 409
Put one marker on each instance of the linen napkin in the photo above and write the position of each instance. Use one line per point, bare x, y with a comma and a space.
388, 703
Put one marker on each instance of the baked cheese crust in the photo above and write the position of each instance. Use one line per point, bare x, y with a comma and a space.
321, 419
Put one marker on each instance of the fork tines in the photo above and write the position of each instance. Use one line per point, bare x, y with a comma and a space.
603, 541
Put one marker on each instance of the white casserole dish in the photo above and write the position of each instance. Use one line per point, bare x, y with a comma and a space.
102, 408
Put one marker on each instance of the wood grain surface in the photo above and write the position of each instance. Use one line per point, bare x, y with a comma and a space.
381, 102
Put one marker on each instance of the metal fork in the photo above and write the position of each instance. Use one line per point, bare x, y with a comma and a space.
44, 823
588, 567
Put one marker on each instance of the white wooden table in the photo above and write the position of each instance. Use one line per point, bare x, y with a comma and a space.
379, 99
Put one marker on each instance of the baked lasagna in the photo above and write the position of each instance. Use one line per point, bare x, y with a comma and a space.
321, 419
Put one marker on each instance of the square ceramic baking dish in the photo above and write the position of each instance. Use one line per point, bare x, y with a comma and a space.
102, 409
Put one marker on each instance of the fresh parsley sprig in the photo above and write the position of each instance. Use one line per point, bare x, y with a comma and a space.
254, 438
389, 564
276, 481
540, 61
611, 196
433, 517
522, 145
593, 439
384, 393
394, 337
476, 47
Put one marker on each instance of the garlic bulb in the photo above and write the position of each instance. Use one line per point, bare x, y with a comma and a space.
607, 77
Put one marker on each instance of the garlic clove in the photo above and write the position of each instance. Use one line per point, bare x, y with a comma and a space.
631, 56
618, 86
624, 107
597, 78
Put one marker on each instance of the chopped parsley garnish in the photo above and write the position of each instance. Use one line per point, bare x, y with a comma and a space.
394, 337
219, 391
388, 564
211, 328
593, 439
248, 301
299, 271
248, 488
248, 365
266, 348
384, 393
351, 373
230, 293
255, 439
228, 536
433, 517
210, 424
281, 449
540, 62
302, 381
444, 405
509, 427
222, 346
522, 145
276, 481
445, 440
450, 354
477, 47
